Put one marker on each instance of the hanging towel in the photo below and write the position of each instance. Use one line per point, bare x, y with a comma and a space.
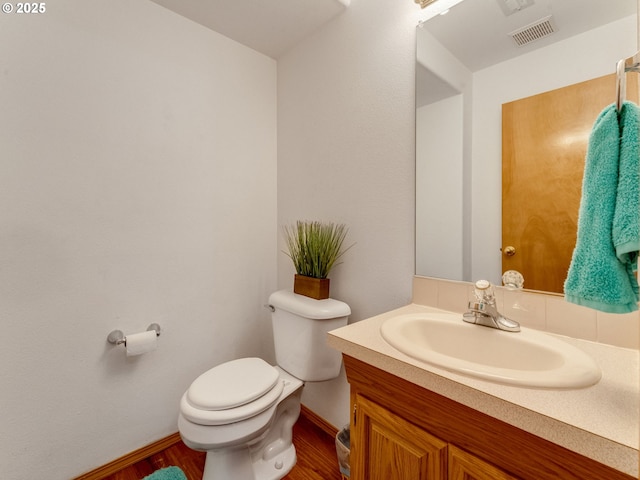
169, 473
626, 220
597, 278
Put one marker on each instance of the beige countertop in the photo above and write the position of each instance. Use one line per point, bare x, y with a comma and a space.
600, 422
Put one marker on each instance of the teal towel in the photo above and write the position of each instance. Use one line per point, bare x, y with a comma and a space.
597, 278
626, 220
169, 473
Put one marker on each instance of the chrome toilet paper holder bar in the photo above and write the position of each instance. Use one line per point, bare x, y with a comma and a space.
118, 338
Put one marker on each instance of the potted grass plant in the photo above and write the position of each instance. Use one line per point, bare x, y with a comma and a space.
314, 248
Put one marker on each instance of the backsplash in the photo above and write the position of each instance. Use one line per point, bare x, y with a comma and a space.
547, 312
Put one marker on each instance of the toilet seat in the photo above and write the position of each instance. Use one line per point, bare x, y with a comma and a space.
232, 392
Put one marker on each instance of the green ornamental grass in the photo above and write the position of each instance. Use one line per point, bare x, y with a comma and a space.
315, 246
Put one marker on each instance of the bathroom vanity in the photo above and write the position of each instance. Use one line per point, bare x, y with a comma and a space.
425, 422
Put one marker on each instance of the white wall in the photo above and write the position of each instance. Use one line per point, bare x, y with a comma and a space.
445, 256
346, 124
589, 55
439, 188
137, 185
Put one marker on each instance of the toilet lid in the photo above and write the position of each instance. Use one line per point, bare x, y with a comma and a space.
231, 415
232, 384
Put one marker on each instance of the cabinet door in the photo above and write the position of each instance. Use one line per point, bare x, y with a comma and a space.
464, 466
387, 447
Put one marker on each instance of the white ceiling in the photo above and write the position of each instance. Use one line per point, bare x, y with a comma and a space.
476, 31
268, 26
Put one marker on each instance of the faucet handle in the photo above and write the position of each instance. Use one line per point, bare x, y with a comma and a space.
484, 292
513, 280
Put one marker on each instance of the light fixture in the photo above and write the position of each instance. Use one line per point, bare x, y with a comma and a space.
510, 7
434, 9
425, 3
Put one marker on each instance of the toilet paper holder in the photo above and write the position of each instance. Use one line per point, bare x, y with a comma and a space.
118, 338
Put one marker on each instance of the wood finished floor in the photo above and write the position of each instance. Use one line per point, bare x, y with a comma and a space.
315, 449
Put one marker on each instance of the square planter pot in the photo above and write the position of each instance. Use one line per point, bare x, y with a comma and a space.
317, 288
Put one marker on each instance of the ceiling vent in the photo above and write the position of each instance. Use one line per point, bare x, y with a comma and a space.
535, 31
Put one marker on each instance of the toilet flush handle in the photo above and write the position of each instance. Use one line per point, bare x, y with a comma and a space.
270, 307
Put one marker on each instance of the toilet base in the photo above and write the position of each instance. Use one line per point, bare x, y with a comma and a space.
277, 467
237, 464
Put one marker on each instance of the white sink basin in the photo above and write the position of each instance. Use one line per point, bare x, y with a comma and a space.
527, 358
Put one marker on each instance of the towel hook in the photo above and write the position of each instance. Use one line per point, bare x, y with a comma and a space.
621, 84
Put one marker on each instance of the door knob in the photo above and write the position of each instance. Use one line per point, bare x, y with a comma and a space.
509, 251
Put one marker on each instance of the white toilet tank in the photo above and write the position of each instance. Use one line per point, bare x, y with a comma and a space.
300, 326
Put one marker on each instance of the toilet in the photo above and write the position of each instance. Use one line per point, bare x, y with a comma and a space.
242, 412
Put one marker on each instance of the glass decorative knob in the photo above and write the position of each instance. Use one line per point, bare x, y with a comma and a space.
513, 280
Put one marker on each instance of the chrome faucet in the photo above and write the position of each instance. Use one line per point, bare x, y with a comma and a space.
483, 310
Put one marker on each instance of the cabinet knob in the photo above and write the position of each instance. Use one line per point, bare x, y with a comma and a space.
509, 251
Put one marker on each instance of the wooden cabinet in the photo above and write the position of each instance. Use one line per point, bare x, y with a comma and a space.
400, 431
464, 466
391, 448
385, 446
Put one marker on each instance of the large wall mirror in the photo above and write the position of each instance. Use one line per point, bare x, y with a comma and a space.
470, 62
